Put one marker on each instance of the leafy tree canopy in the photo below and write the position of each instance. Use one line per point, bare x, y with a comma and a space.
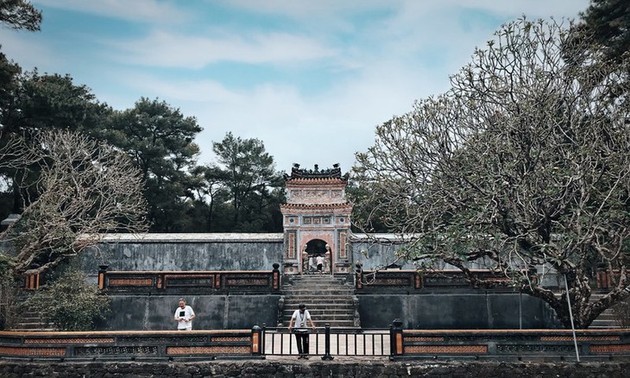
607, 23
20, 14
255, 189
160, 140
523, 163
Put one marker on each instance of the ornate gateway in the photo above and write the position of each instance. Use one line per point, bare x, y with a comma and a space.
316, 220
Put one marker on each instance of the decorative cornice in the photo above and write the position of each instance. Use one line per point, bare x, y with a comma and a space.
344, 205
316, 181
316, 173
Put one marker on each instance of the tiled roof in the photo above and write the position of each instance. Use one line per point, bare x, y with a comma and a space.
315, 205
315, 180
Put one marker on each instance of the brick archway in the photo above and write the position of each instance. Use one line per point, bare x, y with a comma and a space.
316, 219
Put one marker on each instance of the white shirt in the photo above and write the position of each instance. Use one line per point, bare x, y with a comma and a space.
300, 319
184, 313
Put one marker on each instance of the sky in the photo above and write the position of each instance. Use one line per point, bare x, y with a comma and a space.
310, 79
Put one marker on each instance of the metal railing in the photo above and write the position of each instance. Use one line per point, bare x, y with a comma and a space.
328, 342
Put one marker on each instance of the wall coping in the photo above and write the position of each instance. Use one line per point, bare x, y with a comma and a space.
190, 238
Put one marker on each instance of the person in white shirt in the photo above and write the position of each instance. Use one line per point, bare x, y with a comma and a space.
184, 315
320, 264
300, 317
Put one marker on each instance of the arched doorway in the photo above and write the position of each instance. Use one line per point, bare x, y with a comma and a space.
313, 249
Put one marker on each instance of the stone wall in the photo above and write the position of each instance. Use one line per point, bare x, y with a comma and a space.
149, 312
184, 252
313, 368
460, 309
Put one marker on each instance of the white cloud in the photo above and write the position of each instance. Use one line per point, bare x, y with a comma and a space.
164, 49
26, 49
404, 53
152, 11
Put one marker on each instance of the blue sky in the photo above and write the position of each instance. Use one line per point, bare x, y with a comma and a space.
311, 79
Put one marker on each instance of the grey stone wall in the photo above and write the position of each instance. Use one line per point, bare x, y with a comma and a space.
376, 255
134, 312
184, 253
313, 368
461, 309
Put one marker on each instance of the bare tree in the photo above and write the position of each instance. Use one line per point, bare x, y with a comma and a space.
524, 163
85, 188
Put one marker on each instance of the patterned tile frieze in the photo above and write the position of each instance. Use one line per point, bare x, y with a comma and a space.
580, 338
99, 340
246, 282
188, 350
130, 282
446, 349
533, 348
116, 350
163, 340
184, 280
32, 352
414, 339
624, 348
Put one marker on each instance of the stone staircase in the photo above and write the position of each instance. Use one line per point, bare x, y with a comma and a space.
607, 318
329, 299
31, 321
28, 319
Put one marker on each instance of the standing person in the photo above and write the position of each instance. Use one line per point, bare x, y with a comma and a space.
320, 264
184, 315
300, 317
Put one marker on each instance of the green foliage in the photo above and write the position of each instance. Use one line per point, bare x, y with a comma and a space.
20, 14
70, 303
255, 191
6, 265
160, 140
7, 290
607, 23
621, 312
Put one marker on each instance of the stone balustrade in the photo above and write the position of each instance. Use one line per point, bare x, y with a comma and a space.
131, 345
189, 282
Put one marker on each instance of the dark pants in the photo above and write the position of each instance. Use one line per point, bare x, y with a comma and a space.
302, 341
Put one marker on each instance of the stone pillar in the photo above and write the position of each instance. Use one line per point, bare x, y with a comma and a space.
102, 270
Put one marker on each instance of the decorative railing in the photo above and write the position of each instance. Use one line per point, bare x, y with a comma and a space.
188, 281
329, 342
509, 343
129, 345
393, 279
396, 344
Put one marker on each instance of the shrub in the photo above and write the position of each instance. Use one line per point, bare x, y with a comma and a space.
70, 302
7, 291
621, 312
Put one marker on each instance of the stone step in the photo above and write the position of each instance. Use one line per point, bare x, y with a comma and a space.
321, 307
321, 293
317, 285
305, 294
346, 304
312, 301
324, 318
32, 325
321, 312
316, 281
329, 299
